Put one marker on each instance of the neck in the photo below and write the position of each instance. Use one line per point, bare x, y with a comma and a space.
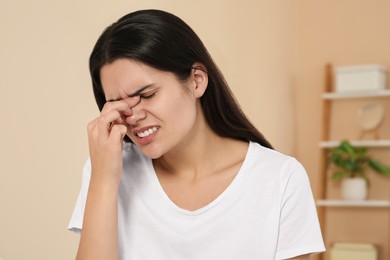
195, 156
202, 157
203, 152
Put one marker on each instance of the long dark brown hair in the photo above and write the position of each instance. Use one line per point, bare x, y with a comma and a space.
165, 42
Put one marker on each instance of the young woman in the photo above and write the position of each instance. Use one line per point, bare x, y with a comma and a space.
176, 170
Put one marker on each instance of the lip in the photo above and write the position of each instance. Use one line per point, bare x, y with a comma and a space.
146, 139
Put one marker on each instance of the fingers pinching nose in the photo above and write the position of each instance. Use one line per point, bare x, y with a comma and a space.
133, 101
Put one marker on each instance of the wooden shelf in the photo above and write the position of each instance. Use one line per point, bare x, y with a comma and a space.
357, 94
332, 100
354, 203
358, 143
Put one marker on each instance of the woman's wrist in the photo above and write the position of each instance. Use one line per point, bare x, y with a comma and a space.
104, 183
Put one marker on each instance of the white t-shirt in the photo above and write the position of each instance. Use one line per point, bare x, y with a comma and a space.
267, 212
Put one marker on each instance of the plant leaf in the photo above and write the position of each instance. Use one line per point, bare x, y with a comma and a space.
379, 167
337, 176
347, 147
361, 151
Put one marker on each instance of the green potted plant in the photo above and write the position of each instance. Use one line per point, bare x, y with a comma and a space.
350, 164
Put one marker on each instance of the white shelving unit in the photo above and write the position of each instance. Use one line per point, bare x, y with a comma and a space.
361, 143
357, 94
354, 203
329, 98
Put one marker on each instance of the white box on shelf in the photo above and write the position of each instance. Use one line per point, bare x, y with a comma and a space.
358, 78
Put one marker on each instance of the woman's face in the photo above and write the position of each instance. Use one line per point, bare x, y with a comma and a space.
168, 111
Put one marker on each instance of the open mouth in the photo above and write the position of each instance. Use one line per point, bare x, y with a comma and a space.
147, 132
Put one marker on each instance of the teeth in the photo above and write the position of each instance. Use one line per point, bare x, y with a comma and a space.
147, 132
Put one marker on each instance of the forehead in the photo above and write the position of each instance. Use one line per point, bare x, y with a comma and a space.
123, 77
124, 70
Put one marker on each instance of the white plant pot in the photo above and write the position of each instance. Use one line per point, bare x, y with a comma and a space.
354, 189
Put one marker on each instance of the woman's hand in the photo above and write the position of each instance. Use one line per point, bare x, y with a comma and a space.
105, 136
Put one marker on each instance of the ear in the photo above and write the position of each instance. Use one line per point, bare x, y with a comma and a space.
200, 79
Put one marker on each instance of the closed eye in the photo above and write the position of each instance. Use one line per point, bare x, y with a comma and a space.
147, 95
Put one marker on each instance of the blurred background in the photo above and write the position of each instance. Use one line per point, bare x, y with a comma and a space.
272, 52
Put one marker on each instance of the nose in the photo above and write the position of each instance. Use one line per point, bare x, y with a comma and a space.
138, 114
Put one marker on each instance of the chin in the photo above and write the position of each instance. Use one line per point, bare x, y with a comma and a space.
151, 152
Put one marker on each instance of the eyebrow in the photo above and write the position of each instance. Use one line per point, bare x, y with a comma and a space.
136, 93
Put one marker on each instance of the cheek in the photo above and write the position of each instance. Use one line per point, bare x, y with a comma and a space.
182, 113
178, 114
177, 102
174, 110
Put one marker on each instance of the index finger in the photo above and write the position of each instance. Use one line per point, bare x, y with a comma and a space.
132, 101
118, 105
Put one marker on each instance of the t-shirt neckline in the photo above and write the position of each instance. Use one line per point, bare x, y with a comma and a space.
210, 205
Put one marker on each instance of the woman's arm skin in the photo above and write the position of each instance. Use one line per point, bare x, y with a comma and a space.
99, 236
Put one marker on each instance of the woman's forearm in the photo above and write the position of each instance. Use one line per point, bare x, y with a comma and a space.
99, 236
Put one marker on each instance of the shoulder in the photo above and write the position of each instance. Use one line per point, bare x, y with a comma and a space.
266, 157
273, 165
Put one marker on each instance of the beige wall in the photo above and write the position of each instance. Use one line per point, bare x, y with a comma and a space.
46, 100
271, 52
